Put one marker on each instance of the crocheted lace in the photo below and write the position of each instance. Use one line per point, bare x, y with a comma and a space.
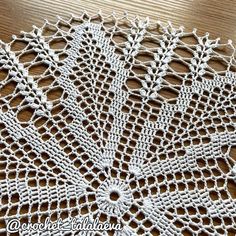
120, 119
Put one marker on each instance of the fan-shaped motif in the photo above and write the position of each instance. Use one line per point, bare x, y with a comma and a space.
98, 106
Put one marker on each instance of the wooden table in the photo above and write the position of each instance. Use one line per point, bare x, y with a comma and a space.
213, 16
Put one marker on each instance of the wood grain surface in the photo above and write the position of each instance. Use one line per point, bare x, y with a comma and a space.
213, 16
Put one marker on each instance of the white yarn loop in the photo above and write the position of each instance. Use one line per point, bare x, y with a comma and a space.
121, 119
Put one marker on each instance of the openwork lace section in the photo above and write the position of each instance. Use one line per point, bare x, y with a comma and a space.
120, 119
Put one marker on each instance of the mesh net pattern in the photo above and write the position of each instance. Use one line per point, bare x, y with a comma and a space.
121, 119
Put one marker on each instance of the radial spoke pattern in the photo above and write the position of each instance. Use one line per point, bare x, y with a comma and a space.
122, 120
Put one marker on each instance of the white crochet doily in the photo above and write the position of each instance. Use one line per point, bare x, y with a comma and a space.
120, 119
